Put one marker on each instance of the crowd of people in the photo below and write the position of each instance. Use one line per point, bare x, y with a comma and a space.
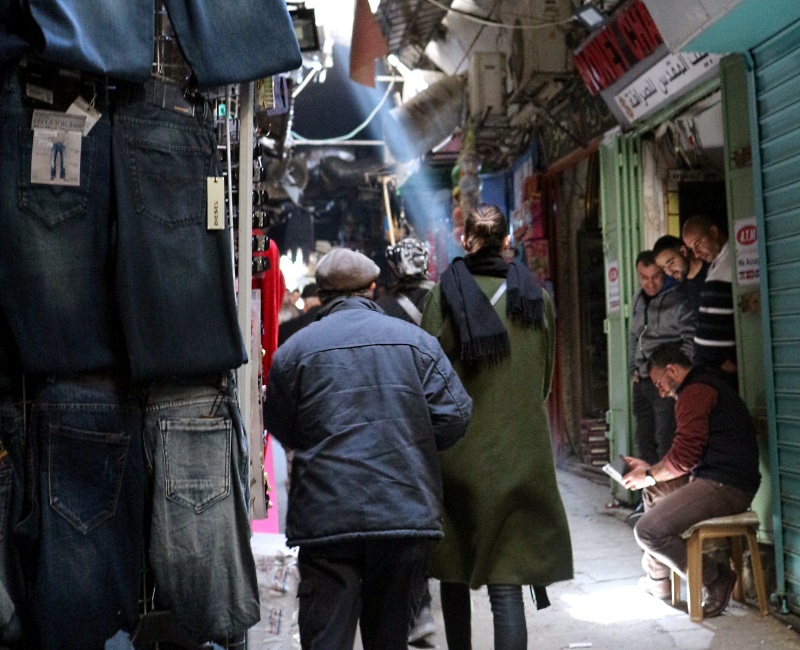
420, 442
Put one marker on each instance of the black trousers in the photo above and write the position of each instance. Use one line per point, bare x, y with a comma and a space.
374, 582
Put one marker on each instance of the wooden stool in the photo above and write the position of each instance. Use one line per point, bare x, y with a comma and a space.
735, 527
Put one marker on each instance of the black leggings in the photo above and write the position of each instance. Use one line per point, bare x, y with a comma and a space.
510, 631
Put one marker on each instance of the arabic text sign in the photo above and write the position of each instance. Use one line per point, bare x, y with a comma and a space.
663, 82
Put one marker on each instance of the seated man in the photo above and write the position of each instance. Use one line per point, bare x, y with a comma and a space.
715, 445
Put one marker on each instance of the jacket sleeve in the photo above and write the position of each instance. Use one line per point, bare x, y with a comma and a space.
686, 325
550, 342
449, 405
279, 406
633, 335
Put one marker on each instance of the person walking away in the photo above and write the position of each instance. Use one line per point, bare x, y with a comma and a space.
408, 264
711, 469
365, 401
504, 521
715, 338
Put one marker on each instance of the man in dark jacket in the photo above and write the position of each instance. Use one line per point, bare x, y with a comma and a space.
366, 402
715, 448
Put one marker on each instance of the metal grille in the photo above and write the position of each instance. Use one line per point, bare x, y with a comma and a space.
408, 26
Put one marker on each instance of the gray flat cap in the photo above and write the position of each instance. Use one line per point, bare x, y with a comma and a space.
343, 269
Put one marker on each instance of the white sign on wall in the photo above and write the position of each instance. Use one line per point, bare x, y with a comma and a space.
612, 283
748, 268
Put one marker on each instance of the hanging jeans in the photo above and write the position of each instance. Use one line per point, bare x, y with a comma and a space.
199, 548
55, 247
508, 610
90, 488
174, 276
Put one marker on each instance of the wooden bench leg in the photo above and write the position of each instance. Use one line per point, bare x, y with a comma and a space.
736, 557
694, 576
676, 588
758, 573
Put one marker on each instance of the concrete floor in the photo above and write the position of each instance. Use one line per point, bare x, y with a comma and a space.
602, 608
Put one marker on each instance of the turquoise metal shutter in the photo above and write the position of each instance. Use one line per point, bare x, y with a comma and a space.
775, 98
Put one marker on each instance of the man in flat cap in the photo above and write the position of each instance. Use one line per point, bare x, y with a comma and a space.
366, 401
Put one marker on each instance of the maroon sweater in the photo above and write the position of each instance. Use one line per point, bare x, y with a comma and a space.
715, 436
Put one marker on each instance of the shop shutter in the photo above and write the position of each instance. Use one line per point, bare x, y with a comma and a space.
776, 155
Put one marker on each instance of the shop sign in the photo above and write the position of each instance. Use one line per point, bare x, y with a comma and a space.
612, 284
629, 38
748, 268
665, 81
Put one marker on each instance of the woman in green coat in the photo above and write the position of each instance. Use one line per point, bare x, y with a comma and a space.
504, 521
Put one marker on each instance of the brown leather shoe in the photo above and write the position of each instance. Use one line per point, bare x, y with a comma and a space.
718, 593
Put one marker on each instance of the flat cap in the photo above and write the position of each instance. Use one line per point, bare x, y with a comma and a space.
343, 269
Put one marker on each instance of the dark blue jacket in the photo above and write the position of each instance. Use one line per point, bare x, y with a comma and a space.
366, 401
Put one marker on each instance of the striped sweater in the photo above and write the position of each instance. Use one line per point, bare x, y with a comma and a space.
715, 334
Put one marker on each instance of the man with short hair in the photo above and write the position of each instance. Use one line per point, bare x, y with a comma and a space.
716, 448
659, 313
366, 401
715, 337
678, 262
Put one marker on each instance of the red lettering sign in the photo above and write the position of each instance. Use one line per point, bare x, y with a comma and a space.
746, 235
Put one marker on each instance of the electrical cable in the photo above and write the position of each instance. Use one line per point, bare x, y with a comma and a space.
493, 23
343, 138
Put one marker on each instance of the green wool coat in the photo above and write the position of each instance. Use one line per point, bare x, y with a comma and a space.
504, 521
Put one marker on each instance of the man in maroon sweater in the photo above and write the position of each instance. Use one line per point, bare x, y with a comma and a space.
711, 470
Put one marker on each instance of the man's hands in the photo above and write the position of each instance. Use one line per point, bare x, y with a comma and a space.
636, 478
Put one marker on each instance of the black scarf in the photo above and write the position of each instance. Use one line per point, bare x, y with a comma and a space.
483, 337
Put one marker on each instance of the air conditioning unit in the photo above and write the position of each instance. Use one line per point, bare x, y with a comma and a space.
543, 51
487, 84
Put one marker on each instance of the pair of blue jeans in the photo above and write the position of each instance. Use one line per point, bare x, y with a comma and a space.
87, 437
224, 42
174, 277
56, 285
199, 548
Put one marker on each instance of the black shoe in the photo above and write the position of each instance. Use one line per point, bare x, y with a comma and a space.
638, 511
718, 593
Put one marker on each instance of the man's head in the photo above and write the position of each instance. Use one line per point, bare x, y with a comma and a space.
310, 296
345, 272
408, 259
672, 256
703, 237
668, 366
651, 277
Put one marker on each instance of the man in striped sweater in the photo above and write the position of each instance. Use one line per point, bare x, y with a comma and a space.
715, 334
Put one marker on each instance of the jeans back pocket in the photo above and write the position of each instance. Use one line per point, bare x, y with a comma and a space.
86, 470
197, 460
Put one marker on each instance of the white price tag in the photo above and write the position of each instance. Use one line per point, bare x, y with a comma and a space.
56, 150
216, 202
83, 108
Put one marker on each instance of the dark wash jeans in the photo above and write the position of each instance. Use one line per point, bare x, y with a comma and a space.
174, 277
56, 288
199, 549
90, 486
224, 42
508, 613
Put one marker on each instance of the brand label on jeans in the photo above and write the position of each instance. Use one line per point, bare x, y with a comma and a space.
56, 150
39, 94
216, 202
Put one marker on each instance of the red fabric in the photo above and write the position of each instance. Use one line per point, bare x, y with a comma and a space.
367, 44
273, 288
692, 413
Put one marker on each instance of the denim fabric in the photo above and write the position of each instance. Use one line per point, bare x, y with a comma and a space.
174, 276
91, 500
12, 491
55, 284
220, 39
508, 613
105, 37
199, 547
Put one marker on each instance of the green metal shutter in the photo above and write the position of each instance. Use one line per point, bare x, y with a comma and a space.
775, 99
621, 187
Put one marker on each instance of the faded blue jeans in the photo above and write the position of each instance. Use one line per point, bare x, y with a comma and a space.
90, 487
199, 548
55, 249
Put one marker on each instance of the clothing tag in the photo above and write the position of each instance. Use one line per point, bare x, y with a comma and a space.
81, 107
216, 203
56, 151
38, 93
